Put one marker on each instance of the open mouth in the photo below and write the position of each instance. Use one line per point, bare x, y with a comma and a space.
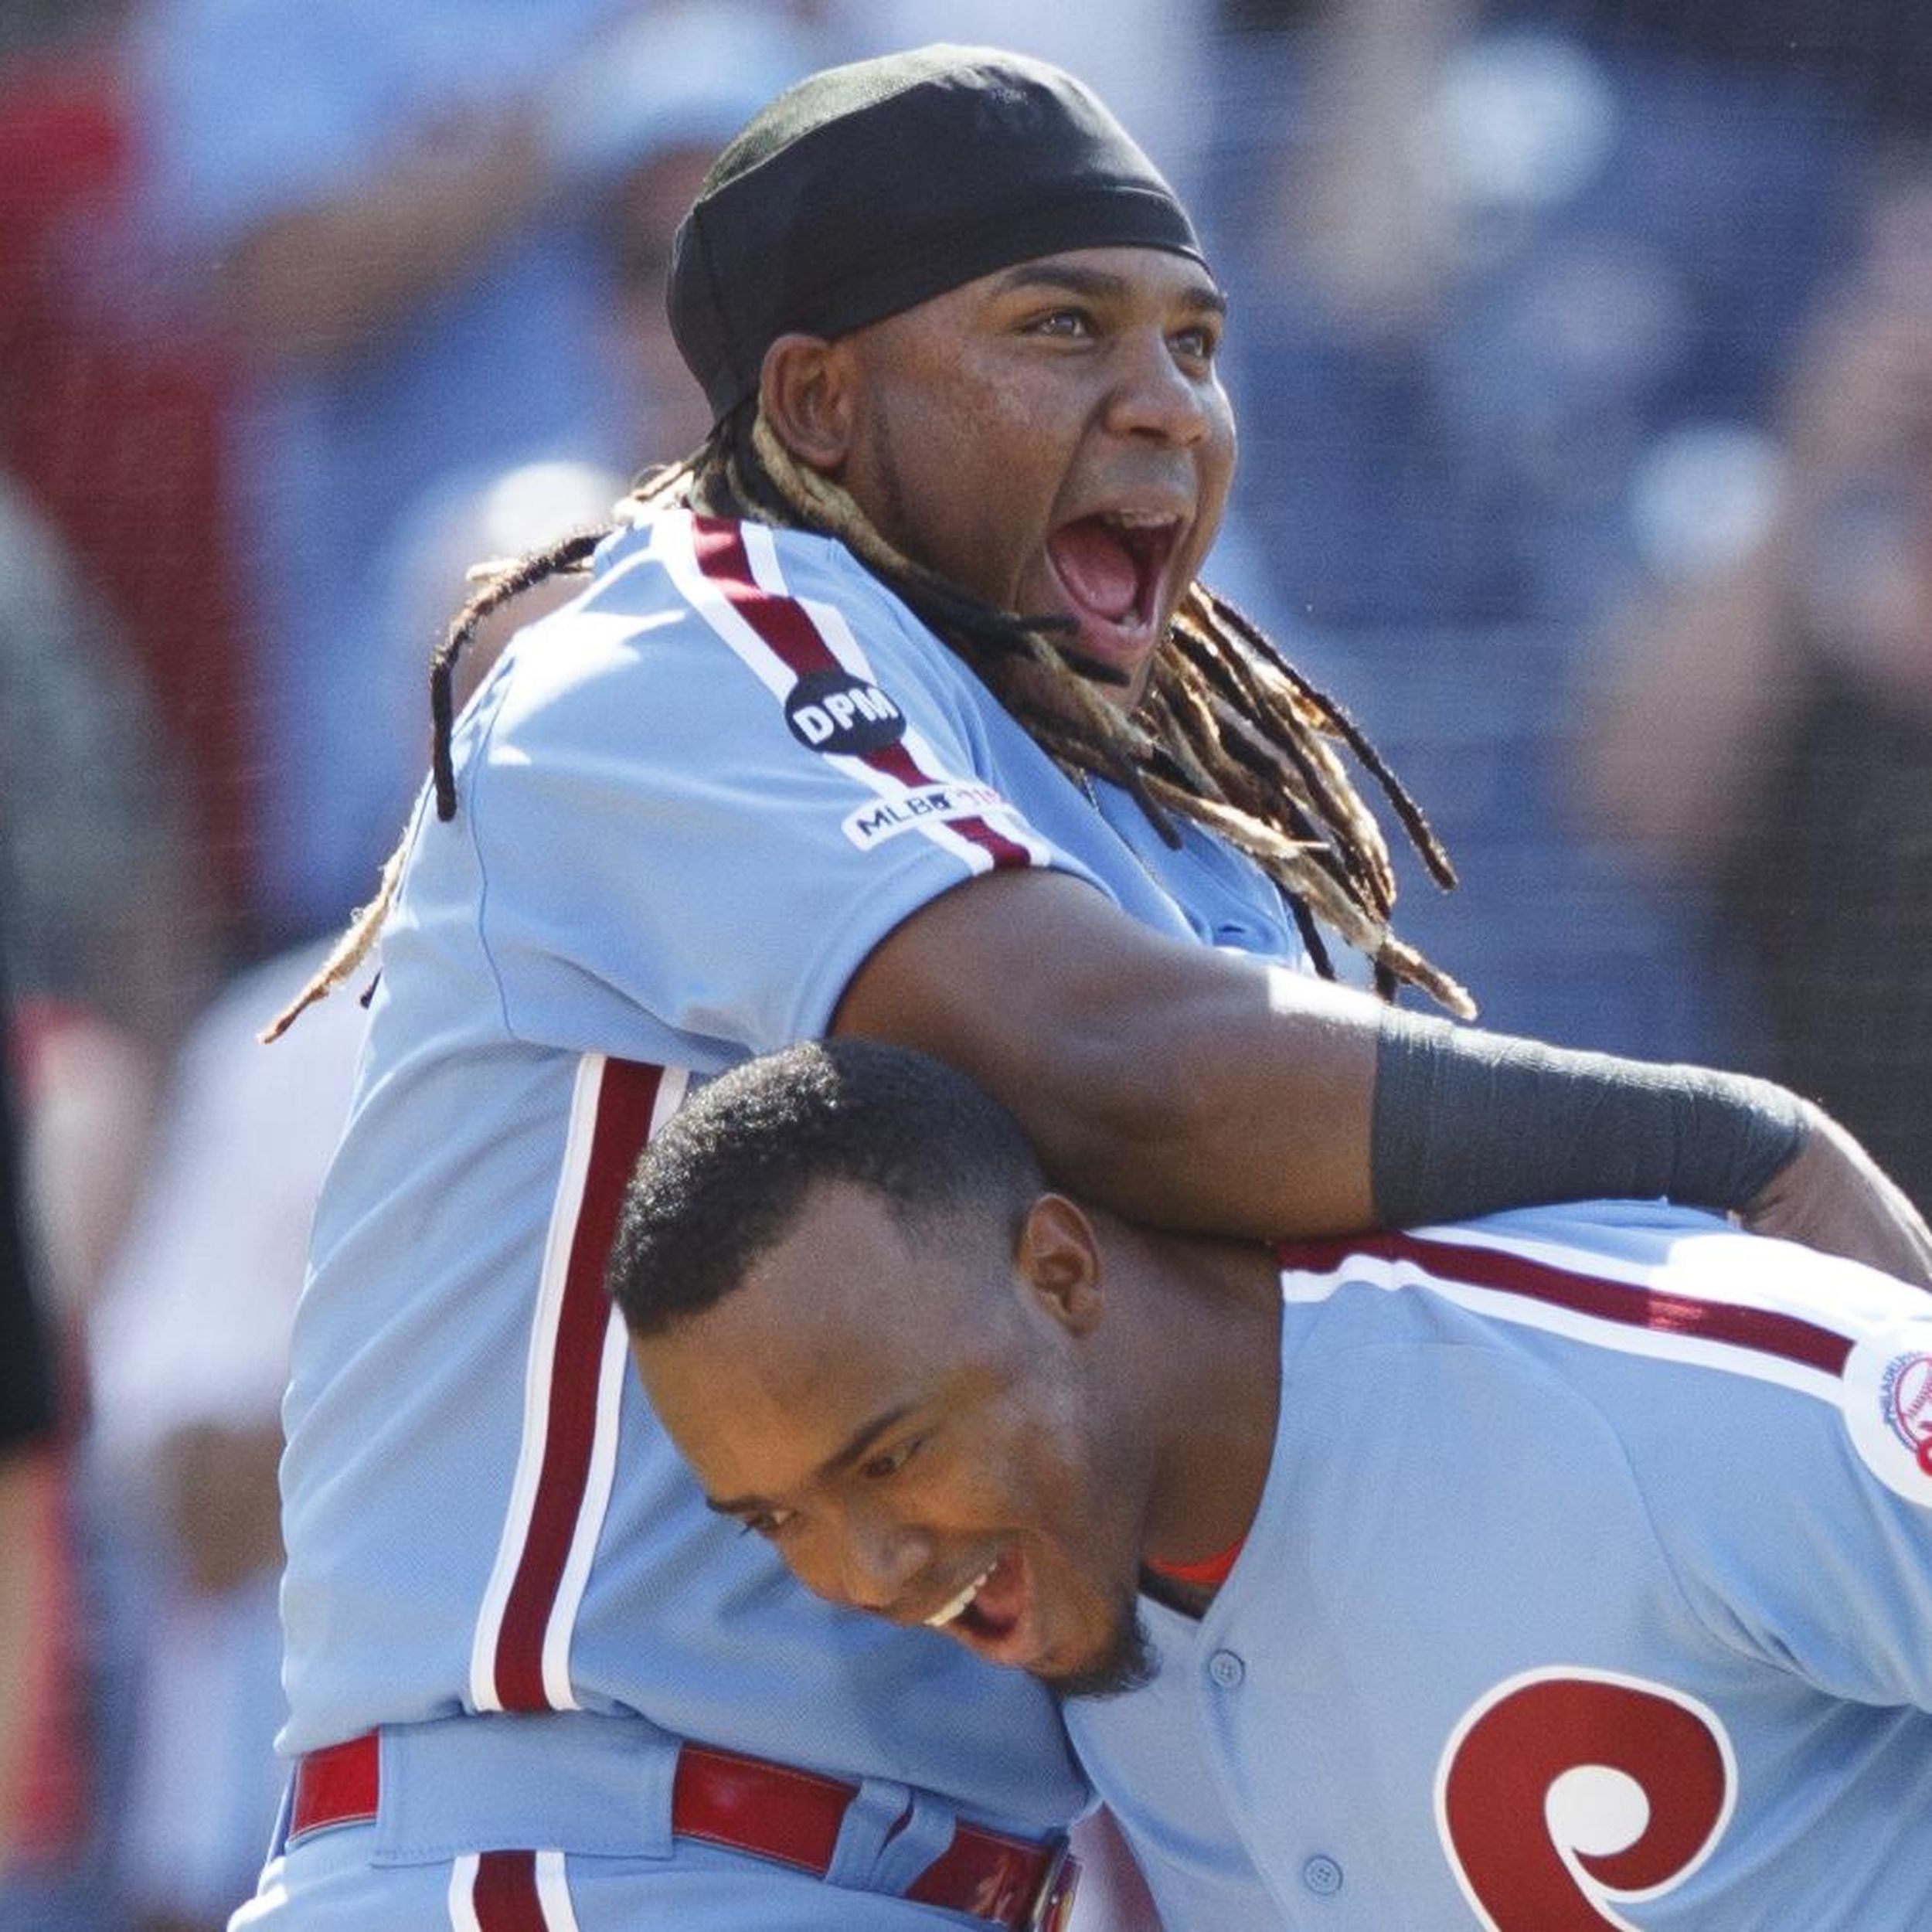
1113, 566
986, 1614
958, 1606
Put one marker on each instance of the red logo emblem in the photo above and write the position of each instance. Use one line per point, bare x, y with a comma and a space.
1908, 1396
1564, 1792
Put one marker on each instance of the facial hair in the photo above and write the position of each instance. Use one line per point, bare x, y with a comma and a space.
1126, 1665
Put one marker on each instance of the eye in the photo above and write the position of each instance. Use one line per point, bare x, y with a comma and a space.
888, 1463
1197, 343
768, 1523
1070, 324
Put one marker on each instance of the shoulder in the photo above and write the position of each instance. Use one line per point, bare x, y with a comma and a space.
690, 615
1703, 1344
737, 672
726, 567
1636, 1253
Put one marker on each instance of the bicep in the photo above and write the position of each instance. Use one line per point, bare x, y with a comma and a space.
1166, 1080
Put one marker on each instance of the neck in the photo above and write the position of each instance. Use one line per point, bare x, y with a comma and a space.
1207, 1383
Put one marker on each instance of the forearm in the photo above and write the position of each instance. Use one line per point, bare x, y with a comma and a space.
1240, 1102
1194, 1089
317, 283
1273, 1105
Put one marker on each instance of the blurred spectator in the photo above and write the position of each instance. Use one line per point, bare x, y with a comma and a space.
677, 85
111, 397
109, 921
1873, 55
26, 1427
105, 957
189, 1351
403, 210
39, 24
188, 1346
56, 1762
106, 936
1479, 271
1485, 279
1766, 727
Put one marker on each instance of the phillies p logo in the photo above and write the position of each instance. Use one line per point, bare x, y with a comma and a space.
1565, 1791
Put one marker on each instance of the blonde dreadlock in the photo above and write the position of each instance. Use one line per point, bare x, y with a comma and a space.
1229, 734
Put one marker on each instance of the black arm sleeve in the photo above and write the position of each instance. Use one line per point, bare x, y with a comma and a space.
1468, 1122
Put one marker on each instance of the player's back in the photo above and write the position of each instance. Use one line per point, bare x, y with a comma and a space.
671, 849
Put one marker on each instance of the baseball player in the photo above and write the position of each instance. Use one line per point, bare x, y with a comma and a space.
789, 762
1563, 1569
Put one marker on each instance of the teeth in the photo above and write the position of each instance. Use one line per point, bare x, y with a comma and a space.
1138, 519
947, 1612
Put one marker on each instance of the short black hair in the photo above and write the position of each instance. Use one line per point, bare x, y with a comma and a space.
724, 1180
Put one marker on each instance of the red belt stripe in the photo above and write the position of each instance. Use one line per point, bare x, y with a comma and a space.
745, 1804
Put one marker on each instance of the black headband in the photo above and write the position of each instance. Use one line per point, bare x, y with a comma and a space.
866, 189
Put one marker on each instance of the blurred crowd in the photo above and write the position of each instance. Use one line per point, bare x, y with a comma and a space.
1583, 352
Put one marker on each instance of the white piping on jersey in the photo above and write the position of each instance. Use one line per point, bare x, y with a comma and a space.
462, 1893
612, 1367
1774, 1287
539, 1369
675, 535
541, 1361
553, 1893
548, 1881
1783, 1278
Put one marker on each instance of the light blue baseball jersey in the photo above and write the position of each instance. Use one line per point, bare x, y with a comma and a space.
691, 804
1591, 1586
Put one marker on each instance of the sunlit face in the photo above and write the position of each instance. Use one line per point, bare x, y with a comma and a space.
917, 1434
1054, 438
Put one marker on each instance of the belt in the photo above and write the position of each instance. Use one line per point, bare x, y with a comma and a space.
771, 1811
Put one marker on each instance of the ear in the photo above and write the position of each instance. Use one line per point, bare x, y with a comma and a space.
806, 390
1058, 1260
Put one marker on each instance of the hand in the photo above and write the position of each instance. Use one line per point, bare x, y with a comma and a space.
1832, 1194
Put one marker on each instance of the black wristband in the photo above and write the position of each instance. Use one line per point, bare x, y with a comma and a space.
1467, 1122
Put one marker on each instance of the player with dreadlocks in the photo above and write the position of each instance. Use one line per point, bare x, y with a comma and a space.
897, 709
1228, 731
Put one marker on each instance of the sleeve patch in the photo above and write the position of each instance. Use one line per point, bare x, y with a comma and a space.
873, 823
1888, 1407
841, 714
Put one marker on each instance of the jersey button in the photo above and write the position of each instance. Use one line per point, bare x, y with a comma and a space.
1227, 1669
1322, 1876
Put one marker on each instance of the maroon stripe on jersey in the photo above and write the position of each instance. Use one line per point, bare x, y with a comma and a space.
785, 627
504, 1894
626, 1096
1763, 1330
